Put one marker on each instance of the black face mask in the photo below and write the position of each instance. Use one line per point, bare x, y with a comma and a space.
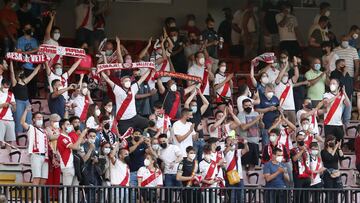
342, 68
28, 31
309, 106
136, 138
137, 77
107, 126
324, 51
331, 144
163, 145
151, 123
218, 149
193, 41
86, 50
301, 143
211, 28
248, 110
241, 145
127, 159
76, 128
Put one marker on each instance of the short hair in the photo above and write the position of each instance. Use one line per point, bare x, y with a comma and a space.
246, 101
92, 130
35, 114
275, 131
300, 133
5, 81
314, 144
337, 62
276, 150
220, 62
189, 149
284, 51
72, 118
54, 81
55, 28
169, 19
354, 27
173, 29
62, 122
326, 44
207, 148
105, 118
323, 19
324, 5
217, 112
184, 111
158, 105
304, 119
209, 18
162, 135
269, 85
197, 53
242, 88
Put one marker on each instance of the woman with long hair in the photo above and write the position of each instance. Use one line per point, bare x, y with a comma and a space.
92, 117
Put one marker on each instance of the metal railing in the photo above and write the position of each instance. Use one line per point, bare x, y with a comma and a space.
115, 194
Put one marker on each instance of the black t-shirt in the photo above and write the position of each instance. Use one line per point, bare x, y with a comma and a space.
137, 157
329, 160
170, 99
344, 80
186, 168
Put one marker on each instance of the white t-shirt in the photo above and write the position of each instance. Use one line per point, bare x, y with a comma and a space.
239, 101
314, 126
285, 139
330, 60
314, 166
64, 81
9, 114
145, 173
91, 123
336, 118
118, 172
79, 100
219, 79
179, 128
230, 156
288, 103
169, 156
120, 96
287, 33
272, 73
54, 43
237, 19
84, 16
349, 55
37, 140
167, 68
198, 71
220, 132
204, 167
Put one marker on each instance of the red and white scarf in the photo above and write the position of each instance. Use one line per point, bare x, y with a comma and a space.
28, 58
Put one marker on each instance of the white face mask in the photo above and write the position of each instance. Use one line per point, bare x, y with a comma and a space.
39, 123
146, 162
333, 87
202, 61
97, 112
191, 23
314, 152
285, 79
58, 71
207, 157
327, 13
108, 52
5, 90
91, 141
279, 159
173, 87
272, 138
345, 44
127, 84
172, 25
222, 69
265, 80
355, 36
192, 156
56, 125
174, 38
84, 91
269, 95
56, 36
107, 150
156, 147
69, 129
284, 60
194, 109
306, 127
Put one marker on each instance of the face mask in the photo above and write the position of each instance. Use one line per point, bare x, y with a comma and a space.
333, 87
345, 44
202, 61
194, 109
324, 52
76, 128
207, 157
306, 127
269, 95
127, 84
191, 23
128, 60
285, 79
272, 138
248, 110
174, 38
314, 152
284, 60
172, 25
309, 106
192, 156
5, 90
58, 71
218, 149
28, 32
317, 66
222, 69
233, 148
288, 10
136, 138
173, 87
163, 145
91, 141
156, 147
108, 52
56, 36
301, 143
39, 123
107, 126
97, 112
193, 41
56, 125
84, 91
327, 13
109, 109
146, 162
107, 150
331, 144
265, 80
279, 159
127, 159
355, 36
69, 129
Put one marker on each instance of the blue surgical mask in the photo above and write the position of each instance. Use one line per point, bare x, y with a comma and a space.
317, 66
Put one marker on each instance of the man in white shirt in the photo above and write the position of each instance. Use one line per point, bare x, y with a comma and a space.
334, 102
184, 133
350, 55
288, 30
84, 21
81, 102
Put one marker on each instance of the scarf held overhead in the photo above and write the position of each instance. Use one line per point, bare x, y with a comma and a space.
27, 58
62, 51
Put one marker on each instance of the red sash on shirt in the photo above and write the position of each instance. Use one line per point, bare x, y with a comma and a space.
164, 64
121, 111
232, 164
86, 19
126, 178
175, 106
223, 92
209, 173
54, 60
85, 109
284, 94
35, 147
317, 167
151, 178
62, 80
165, 123
205, 81
4, 109
286, 139
333, 109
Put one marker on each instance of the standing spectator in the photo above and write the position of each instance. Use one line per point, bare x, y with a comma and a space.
335, 102
245, 93
28, 45
24, 13
342, 75
106, 135
310, 113
223, 85
92, 117
38, 149
331, 156
81, 101
190, 26
192, 47
353, 35
250, 25
224, 29
317, 37
324, 10
184, 131
144, 96
51, 37
84, 22
100, 13
329, 56
305, 127
288, 30
7, 107
211, 38
317, 81
19, 87
236, 31
9, 26
249, 130
350, 55
178, 58
56, 99
269, 26
276, 176
267, 153
317, 168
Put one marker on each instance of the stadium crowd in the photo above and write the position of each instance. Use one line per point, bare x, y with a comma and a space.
132, 127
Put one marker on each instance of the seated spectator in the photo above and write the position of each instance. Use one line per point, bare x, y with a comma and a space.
329, 56
317, 37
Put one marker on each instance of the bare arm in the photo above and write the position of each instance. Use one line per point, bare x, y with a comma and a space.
143, 77
23, 118
252, 76
160, 86
49, 27
107, 79
204, 101
228, 78
356, 66
32, 75
12, 74
86, 157
118, 48
189, 89
145, 50
181, 138
246, 126
47, 69
189, 99
76, 145
73, 67
219, 122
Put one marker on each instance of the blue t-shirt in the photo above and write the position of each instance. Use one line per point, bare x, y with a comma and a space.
270, 116
57, 105
27, 45
278, 181
260, 88
137, 157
